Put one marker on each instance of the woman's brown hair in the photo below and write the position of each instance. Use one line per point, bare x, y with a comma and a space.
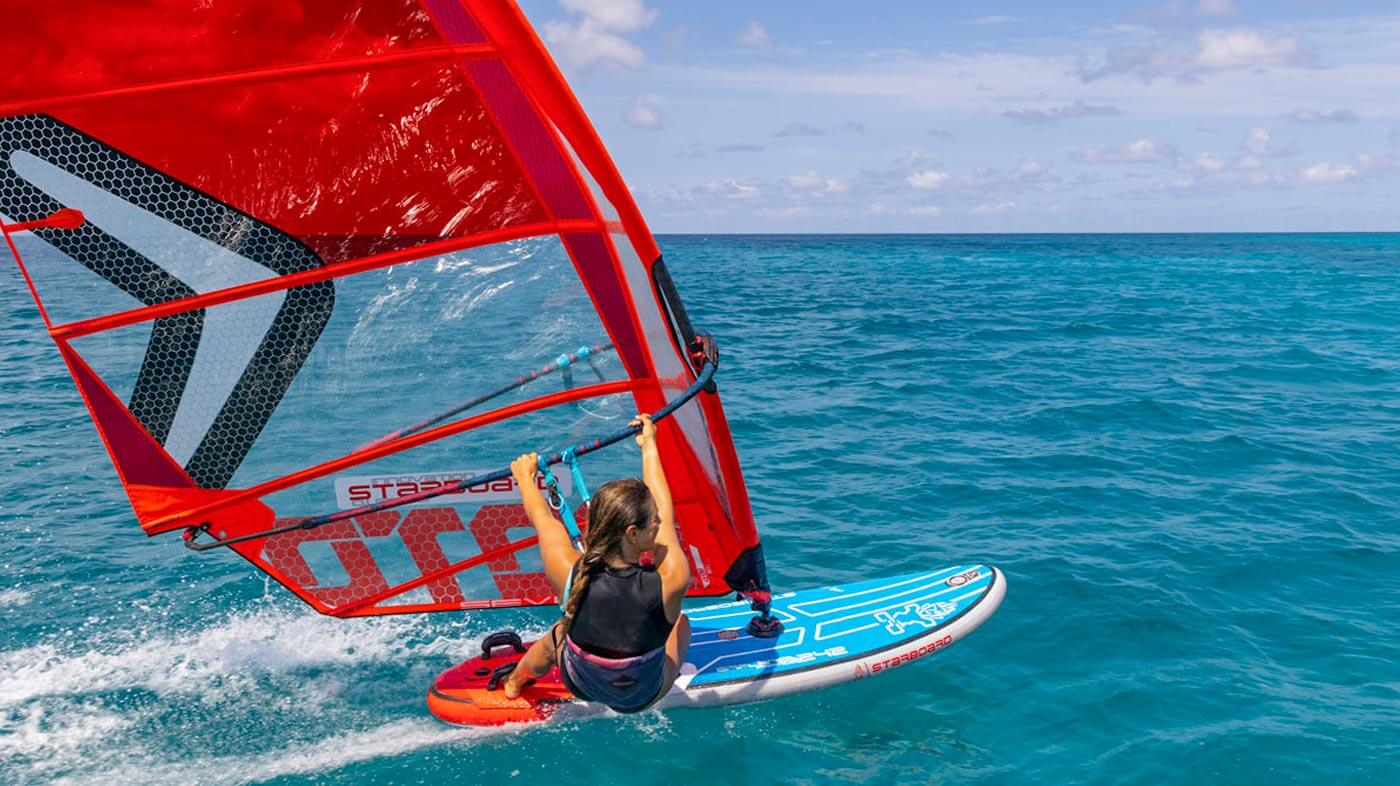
615, 506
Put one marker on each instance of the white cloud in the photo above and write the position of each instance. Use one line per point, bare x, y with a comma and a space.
754, 35
1241, 48
1148, 63
1137, 151
1040, 117
1260, 142
930, 211
641, 114
1213, 50
733, 189
1140, 150
990, 208
812, 182
1210, 163
1326, 172
620, 15
594, 40
1362, 166
1317, 117
789, 196
586, 46
927, 179
1207, 162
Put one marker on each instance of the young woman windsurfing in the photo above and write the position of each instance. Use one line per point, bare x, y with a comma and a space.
623, 637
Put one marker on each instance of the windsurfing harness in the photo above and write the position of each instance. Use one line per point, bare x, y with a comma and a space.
624, 684
295, 259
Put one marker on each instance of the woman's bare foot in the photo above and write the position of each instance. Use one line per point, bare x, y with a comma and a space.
516, 683
536, 662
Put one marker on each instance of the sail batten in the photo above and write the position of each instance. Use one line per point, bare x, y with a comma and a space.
358, 457
443, 54
338, 270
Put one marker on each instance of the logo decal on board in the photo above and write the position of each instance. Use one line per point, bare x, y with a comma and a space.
963, 578
910, 655
921, 615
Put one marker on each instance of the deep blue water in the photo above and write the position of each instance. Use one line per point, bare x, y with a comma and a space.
1183, 450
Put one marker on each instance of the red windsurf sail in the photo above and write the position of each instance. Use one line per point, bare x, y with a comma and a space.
297, 257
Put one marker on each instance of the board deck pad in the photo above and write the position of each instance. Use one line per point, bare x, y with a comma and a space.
830, 635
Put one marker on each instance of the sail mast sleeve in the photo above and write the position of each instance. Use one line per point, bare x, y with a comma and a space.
527, 57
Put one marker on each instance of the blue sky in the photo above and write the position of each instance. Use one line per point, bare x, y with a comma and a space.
909, 116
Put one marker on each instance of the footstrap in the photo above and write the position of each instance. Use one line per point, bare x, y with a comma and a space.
499, 674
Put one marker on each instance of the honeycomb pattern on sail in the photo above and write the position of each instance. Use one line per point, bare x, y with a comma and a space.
233, 414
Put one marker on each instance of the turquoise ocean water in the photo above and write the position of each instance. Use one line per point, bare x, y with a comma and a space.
1183, 450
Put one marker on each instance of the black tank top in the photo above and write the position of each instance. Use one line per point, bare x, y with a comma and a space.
621, 613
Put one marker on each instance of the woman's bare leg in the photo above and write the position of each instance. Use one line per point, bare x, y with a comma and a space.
677, 645
536, 663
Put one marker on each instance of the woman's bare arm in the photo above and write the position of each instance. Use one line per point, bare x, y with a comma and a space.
671, 563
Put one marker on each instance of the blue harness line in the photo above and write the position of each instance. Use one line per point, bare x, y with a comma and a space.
580, 485
558, 501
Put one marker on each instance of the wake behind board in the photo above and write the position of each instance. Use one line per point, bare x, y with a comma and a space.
830, 635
